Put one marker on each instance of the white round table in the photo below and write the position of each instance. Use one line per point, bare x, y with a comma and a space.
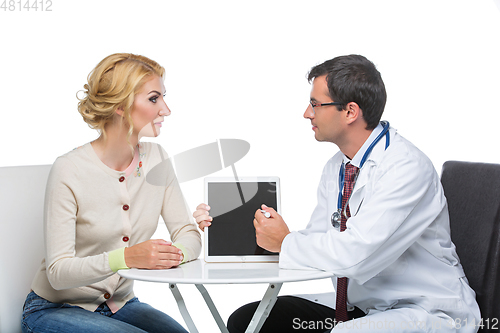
199, 273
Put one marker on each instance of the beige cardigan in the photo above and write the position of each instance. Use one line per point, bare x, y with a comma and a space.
92, 210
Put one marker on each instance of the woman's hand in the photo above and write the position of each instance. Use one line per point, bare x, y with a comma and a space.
153, 254
202, 216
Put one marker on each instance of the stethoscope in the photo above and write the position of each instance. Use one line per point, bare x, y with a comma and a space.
336, 216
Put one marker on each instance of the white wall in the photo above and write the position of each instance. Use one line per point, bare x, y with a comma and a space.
237, 70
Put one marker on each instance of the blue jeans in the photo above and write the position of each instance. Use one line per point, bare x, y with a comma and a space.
40, 316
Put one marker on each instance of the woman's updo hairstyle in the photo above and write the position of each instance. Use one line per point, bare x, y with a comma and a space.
112, 85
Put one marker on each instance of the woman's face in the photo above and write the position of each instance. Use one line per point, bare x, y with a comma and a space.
149, 108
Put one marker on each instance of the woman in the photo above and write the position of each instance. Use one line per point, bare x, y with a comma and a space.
100, 212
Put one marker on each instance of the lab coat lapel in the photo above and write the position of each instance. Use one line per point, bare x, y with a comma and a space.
370, 166
357, 195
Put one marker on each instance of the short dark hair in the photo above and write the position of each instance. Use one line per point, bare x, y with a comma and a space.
353, 78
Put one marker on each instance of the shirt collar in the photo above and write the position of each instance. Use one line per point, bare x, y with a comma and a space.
356, 160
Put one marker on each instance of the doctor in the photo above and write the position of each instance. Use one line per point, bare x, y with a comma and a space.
381, 224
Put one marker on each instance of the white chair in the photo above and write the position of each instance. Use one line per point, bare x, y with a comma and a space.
22, 192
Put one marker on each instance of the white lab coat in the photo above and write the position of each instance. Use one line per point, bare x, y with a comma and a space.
396, 250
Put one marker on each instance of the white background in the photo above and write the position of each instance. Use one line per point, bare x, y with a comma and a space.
237, 69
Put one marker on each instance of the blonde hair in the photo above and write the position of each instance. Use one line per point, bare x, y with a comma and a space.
112, 85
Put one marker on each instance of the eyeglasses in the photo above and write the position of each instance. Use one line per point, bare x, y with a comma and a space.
316, 105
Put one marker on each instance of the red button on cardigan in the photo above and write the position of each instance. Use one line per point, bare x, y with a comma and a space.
126, 207
125, 239
121, 179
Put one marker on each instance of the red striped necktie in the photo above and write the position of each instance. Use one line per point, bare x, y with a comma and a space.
341, 303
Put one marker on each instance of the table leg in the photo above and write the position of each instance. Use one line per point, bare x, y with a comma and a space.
182, 308
213, 309
264, 308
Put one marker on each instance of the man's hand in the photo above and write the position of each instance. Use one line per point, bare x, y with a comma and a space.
271, 231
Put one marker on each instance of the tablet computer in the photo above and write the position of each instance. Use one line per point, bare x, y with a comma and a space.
233, 202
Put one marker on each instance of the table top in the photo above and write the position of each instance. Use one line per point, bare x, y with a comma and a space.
201, 272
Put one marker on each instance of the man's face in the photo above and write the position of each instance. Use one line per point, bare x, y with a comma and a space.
327, 121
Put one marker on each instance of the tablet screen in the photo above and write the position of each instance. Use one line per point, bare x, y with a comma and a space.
233, 206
